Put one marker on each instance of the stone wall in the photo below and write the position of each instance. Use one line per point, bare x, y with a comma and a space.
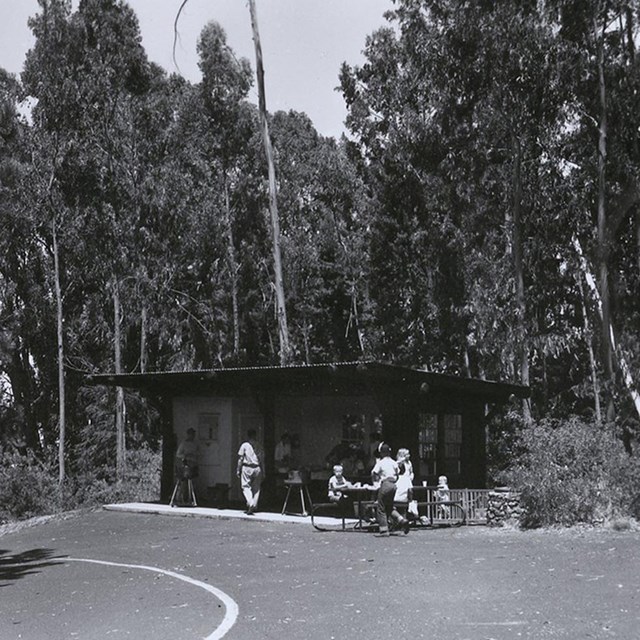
503, 507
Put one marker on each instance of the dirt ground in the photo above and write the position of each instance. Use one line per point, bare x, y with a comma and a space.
290, 581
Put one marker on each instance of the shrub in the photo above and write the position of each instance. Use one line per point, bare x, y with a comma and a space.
28, 485
96, 486
572, 471
504, 444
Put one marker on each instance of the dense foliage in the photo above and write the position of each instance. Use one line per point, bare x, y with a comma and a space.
573, 472
491, 145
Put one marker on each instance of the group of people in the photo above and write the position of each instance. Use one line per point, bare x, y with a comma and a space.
393, 480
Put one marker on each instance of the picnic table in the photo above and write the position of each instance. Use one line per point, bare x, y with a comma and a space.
358, 514
354, 514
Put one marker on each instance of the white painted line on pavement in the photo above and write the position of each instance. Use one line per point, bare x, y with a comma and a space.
231, 607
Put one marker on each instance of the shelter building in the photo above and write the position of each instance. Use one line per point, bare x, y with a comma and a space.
441, 419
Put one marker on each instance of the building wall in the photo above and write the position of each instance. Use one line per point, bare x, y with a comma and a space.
318, 423
212, 420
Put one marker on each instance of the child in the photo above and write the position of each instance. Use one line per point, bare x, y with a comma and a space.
337, 482
442, 495
405, 477
386, 472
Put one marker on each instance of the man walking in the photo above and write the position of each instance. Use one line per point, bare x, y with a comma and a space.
250, 465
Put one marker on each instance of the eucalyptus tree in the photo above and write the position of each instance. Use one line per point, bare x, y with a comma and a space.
324, 214
23, 405
229, 127
278, 282
513, 125
88, 73
46, 79
602, 153
389, 118
459, 112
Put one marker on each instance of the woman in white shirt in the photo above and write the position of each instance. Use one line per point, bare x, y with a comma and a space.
405, 478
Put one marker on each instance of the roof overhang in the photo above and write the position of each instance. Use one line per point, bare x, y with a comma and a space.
356, 377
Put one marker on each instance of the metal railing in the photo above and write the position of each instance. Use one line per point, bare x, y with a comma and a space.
473, 502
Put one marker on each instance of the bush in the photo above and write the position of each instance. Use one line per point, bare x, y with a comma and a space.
571, 472
504, 444
28, 485
97, 486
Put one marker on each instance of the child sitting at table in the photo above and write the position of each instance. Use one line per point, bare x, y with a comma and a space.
337, 482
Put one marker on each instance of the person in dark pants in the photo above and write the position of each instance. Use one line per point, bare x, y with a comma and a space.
386, 472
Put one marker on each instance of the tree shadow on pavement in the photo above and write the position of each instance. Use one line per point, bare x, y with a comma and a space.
16, 566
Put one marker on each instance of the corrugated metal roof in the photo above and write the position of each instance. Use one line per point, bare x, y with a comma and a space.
349, 373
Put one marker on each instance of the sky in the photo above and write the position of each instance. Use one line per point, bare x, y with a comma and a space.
304, 42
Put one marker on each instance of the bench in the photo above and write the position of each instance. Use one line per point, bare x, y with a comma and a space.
353, 516
364, 511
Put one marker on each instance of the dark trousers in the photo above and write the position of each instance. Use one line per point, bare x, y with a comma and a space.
385, 512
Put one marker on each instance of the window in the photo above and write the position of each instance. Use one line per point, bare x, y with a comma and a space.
439, 442
452, 443
353, 430
428, 443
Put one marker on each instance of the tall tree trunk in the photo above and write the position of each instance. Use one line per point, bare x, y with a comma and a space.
519, 274
638, 239
592, 357
62, 427
306, 330
120, 407
545, 382
602, 250
627, 376
354, 316
233, 269
283, 331
143, 338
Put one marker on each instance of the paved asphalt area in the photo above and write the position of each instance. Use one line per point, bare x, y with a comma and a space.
179, 578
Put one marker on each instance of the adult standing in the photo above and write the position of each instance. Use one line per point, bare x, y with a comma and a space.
282, 454
186, 467
250, 465
386, 472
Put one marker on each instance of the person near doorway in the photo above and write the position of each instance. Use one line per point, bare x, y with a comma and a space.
282, 455
250, 469
186, 467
